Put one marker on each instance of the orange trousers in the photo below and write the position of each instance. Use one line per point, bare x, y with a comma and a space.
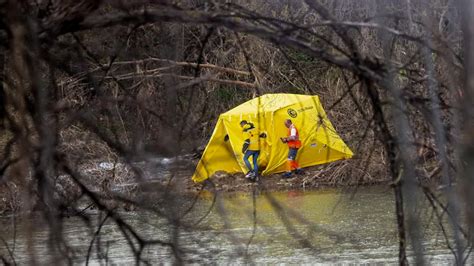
292, 165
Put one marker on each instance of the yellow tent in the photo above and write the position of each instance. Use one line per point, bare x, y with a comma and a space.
320, 142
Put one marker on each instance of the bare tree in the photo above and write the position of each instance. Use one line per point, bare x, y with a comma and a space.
148, 77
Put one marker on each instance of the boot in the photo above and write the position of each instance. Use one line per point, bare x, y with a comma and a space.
250, 175
287, 175
299, 171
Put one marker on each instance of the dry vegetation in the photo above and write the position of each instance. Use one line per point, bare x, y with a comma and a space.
126, 81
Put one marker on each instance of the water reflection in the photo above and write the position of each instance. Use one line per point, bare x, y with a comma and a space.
324, 226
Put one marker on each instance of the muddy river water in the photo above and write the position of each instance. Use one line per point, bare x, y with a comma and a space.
295, 227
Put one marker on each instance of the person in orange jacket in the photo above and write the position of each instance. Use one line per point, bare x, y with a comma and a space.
294, 143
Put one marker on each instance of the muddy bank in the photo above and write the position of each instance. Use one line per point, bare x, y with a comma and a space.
153, 178
272, 183
313, 178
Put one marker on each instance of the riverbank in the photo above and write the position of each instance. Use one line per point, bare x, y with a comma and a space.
273, 183
156, 176
323, 176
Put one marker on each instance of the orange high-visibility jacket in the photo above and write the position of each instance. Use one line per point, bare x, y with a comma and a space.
296, 142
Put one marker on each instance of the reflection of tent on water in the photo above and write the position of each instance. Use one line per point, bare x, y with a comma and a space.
320, 142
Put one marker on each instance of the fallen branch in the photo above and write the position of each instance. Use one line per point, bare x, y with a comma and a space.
225, 81
189, 64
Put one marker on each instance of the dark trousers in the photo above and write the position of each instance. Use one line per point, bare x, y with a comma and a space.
254, 154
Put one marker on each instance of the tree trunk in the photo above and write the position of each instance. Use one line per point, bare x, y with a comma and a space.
2, 81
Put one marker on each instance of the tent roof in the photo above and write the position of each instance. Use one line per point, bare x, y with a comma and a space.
268, 103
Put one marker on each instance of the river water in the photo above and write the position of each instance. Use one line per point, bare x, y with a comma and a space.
295, 227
